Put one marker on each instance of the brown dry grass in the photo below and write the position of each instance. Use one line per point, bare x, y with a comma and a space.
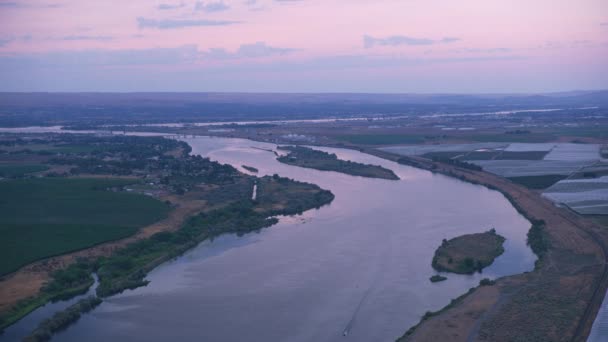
454, 325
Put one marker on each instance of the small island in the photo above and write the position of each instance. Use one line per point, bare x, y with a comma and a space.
319, 160
469, 253
437, 278
250, 168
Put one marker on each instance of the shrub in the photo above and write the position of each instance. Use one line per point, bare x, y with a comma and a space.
486, 282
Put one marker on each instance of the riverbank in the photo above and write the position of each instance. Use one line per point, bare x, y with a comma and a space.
196, 189
382, 189
558, 301
126, 267
21, 292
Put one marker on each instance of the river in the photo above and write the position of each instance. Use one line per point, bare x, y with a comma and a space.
359, 266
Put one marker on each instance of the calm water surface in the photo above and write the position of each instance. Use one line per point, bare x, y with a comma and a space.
359, 265
27, 324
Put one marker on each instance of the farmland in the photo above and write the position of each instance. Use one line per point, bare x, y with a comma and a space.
9, 171
585, 196
381, 139
541, 151
570, 173
537, 182
120, 207
45, 217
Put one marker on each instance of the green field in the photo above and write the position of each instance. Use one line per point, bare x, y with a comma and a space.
381, 139
60, 148
20, 170
47, 216
501, 137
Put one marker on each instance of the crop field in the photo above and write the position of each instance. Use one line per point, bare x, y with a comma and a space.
508, 151
57, 148
488, 155
381, 139
515, 159
527, 138
505, 155
571, 152
585, 196
537, 182
561, 159
572, 174
593, 171
526, 147
578, 185
8, 171
43, 217
517, 168
460, 148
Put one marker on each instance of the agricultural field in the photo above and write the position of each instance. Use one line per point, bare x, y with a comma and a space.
526, 147
11, 170
519, 168
537, 182
514, 159
381, 139
585, 196
42, 217
572, 174
596, 170
416, 150
574, 152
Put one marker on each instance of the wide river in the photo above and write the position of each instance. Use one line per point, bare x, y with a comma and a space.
359, 266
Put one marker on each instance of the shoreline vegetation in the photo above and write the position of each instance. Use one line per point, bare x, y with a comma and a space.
470, 253
62, 319
524, 289
319, 160
454, 302
128, 267
437, 278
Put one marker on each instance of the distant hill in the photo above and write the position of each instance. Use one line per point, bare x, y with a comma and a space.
19, 109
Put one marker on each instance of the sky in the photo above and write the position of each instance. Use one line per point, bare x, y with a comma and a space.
377, 46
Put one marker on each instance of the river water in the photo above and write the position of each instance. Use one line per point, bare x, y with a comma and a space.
359, 266
27, 324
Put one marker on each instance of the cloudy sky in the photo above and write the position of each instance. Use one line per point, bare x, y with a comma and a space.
423, 46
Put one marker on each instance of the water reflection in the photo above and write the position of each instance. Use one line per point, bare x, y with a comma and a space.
360, 264
26, 325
